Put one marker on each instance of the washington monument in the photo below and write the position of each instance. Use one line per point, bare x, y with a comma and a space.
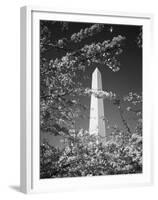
97, 118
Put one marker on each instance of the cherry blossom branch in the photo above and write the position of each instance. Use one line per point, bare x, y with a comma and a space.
83, 34
103, 53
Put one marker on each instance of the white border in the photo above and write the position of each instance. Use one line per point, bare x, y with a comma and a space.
30, 181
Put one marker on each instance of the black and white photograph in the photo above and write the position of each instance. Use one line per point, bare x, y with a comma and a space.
90, 99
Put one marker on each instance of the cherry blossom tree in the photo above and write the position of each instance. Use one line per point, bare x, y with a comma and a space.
81, 155
58, 75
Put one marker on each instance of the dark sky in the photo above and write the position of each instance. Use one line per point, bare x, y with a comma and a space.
128, 79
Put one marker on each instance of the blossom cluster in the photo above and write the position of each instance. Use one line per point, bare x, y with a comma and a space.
83, 156
104, 53
134, 98
87, 32
81, 35
101, 94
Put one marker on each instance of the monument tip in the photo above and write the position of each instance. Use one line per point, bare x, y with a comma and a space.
96, 70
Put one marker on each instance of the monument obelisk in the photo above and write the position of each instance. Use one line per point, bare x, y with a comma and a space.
97, 118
